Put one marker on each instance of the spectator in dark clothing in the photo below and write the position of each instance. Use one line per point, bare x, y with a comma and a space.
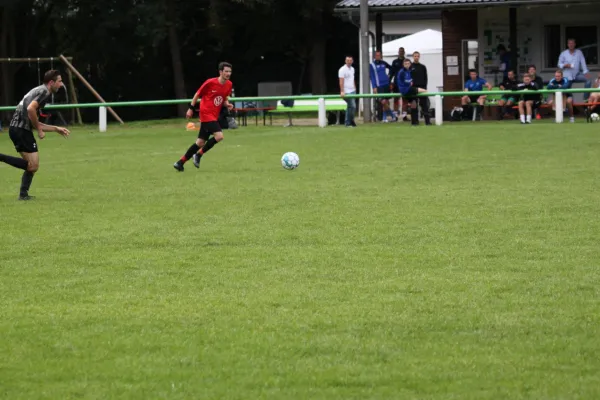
397, 65
380, 82
507, 101
420, 80
539, 82
505, 60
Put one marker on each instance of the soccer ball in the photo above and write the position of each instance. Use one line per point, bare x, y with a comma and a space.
595, 117
290, 160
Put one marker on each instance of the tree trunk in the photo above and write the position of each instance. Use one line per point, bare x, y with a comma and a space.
178, 75
6, 69
317, 66
214, 21
301, 78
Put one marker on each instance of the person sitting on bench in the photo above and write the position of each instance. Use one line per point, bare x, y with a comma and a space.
527, 101
593, 100
560, 82
475, 84
507, 101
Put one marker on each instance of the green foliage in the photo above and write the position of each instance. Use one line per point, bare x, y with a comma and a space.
122, 46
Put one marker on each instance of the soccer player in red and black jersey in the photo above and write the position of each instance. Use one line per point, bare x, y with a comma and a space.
213, 95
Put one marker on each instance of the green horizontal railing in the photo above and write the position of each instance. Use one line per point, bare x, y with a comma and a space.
310, 97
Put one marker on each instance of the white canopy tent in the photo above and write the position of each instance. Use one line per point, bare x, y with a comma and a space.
429, 44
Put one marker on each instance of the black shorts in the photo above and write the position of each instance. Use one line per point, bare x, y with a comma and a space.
474, 99
383, 89
207, 129
525, 98
411, 94
23, 140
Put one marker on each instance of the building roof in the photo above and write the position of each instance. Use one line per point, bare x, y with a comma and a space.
399, 4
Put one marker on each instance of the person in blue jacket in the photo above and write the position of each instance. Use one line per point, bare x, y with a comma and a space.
560, 82
475, 84
408, 90
380, 82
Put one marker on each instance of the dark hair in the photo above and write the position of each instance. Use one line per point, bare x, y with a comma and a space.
531, 66
416, 52
559, 70
472, 70
377, 51
51, 75
571, 39
223, 65
349, 56
510, 70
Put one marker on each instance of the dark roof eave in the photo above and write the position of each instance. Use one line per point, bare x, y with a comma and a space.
462, 6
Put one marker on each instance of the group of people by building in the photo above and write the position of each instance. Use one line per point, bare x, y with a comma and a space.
409, 78
405, 77
572, 69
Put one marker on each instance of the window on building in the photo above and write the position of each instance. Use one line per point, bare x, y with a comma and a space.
555, 41
587, 41
553, 45
389, 38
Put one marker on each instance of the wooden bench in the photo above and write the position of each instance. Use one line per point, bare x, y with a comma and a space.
243, 114
304, 106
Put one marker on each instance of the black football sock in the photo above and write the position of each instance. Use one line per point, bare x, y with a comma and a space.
26, 183
14, 161
425, 110
209, 145
414, 116
188, 154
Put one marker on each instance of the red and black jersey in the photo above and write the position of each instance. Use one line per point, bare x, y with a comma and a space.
212, 95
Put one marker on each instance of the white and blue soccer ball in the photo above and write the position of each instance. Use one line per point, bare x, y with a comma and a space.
290, 160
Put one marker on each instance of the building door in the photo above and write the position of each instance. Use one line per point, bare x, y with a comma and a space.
470, 58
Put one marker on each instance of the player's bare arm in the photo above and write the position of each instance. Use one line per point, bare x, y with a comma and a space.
41, 127
32, 110
190, 112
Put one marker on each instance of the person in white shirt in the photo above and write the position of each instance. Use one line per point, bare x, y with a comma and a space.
348, 86
572, 62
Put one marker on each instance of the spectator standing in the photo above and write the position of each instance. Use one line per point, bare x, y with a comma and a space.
420, 80
397, 65
380, 82
574, 67
348, 86
505, 60
408, 90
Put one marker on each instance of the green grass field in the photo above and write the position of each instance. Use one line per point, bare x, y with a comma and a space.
454, 262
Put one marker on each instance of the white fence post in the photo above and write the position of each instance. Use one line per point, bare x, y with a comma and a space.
558, 103
102, 118
439, 110
322, 113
